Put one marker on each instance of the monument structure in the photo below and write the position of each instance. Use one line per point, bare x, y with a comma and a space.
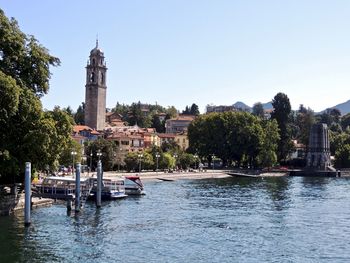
318, 157
95, 90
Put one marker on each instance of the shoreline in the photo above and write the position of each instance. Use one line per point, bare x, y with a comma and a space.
209, 174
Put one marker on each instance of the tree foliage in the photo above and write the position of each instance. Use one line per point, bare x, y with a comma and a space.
27, 133
23, 58
234, 137
107, 149
79, 116
258, 110
193, 110
282, 114
145, 115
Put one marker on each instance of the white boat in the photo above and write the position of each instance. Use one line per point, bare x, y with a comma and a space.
112, 188
134, 186
62, 187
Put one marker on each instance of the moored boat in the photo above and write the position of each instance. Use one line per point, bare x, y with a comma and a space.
112, 188
58, 187
134, 186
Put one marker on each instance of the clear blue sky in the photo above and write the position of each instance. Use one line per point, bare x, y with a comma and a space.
181, 52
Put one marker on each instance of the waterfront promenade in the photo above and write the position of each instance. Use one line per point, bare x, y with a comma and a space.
183, 175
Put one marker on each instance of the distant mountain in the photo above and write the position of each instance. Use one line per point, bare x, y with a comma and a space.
242, 106
343, 107
267, 105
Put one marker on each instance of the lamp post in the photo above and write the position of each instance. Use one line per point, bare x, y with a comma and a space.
140, 159
213, 157
99, 154
73, 153
114, 158
157, 157
119, 157
195, 161
90, 162
175, 156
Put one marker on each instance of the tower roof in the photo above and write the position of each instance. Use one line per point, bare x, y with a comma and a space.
96, 50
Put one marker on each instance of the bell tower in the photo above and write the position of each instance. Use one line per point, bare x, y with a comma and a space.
95, 90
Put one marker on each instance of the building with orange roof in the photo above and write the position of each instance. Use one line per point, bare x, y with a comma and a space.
178, 124
85, 131
166, 137
114, 119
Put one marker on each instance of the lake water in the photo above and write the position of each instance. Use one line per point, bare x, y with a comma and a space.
218, 220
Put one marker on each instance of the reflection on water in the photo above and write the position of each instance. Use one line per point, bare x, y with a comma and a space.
216, 220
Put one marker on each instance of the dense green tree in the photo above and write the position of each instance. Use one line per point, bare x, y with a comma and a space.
345, 121
171, 112
157, 124
79, 116
121, 109
69, 111
194, 109
230, 136
304, 120
337, 140
66, 157
342, 156
187, 110
167, 161
258, 110
23, 58
329, 117
147, 162
108, 150
186, 160
136, 116
267, 155
171, 146
131, 161
281, 113
26, 132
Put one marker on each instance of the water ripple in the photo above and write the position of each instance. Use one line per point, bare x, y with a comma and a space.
226, 220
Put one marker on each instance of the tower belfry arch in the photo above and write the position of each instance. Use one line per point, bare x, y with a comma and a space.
95, 89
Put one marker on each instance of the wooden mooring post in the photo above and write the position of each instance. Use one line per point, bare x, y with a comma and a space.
28, 194
77, 188
99, 184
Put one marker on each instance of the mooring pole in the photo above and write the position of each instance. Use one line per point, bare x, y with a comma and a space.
28, 193
99, 184
77, 188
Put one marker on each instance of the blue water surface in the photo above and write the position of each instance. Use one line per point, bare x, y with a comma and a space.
284, 219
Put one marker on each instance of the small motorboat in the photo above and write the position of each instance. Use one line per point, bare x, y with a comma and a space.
111, 189
134, 186
234, 174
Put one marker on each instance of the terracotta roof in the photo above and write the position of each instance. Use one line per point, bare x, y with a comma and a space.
166, 135
79, 128
94, 132
183, 118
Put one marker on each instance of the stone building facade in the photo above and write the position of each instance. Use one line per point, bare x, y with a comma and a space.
95, 90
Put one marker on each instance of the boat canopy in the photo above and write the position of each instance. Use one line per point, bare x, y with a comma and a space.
135, 179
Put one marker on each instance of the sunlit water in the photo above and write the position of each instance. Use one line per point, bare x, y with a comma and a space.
217, 220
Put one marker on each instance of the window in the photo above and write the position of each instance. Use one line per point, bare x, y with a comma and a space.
92, 77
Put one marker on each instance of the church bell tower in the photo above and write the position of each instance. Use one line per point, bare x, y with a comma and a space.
95, 90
